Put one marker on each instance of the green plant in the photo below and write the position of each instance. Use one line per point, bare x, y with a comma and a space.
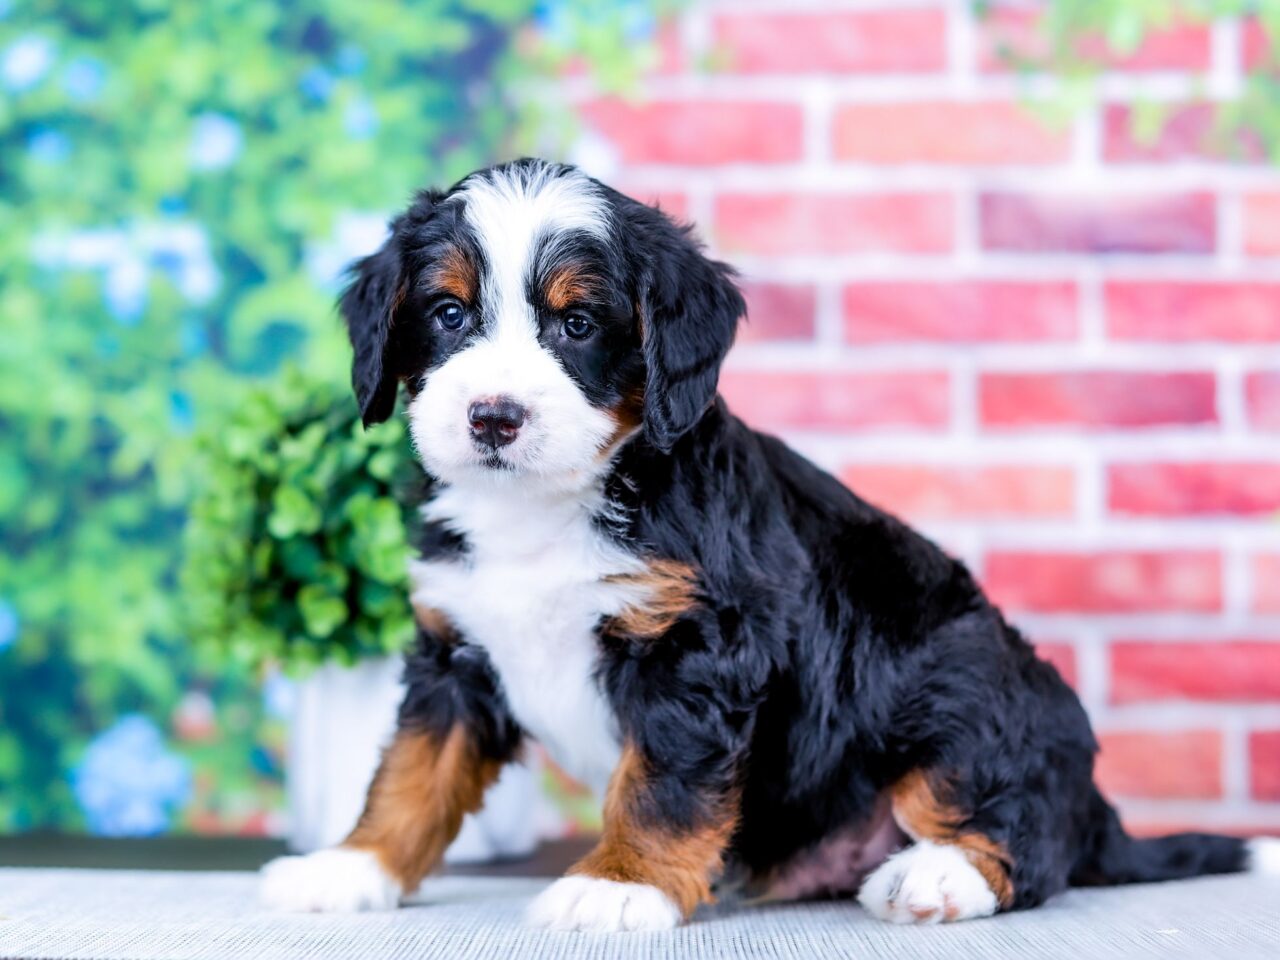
1075, 37
296, 548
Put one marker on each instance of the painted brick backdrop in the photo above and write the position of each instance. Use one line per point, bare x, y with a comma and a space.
1056, 349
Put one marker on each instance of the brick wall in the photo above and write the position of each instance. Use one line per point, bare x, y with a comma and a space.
1055, 349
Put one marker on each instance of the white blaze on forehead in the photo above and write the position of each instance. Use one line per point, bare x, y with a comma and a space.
512, 211
518, 215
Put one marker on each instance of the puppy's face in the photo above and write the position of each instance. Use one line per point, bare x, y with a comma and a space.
538, 320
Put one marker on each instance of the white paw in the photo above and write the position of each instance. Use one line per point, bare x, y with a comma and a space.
927, 883
338, 880
603, 906
1263, 855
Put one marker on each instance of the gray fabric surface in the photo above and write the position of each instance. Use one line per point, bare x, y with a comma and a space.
104, 914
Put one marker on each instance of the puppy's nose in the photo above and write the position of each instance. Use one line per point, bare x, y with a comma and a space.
496, 422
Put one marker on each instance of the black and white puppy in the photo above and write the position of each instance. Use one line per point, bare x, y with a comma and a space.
774, 684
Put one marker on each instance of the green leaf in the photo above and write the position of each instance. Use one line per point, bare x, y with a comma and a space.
322, 611
293, 512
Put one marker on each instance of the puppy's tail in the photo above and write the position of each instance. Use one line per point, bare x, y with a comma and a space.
1111, 856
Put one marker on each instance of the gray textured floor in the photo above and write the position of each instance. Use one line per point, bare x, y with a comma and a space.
117, 914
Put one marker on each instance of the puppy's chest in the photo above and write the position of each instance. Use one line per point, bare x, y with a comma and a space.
531, 588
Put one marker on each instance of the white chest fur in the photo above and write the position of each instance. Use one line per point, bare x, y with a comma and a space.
531, 590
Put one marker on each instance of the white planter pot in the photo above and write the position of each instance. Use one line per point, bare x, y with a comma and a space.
341, 720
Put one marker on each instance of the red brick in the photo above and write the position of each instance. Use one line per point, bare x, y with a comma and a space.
1262, 397
817, 223
993, 133
1106, 581
919, 491
775, 400
969, 311
1264, 765
1193, 489
1237, 670
1262, 224
1063, 658
1176, 311
1265, 574
868, 41
1096, 399
1012, 30
1161, 766
699, 132
778, 311
1099, 223
1258, 53
1187, 133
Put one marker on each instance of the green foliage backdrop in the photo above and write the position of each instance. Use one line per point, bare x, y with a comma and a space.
180, 184
1076, 31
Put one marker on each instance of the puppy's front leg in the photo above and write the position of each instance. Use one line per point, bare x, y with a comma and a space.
652, 867
453, 737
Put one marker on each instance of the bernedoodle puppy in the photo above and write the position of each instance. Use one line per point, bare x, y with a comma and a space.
773, 684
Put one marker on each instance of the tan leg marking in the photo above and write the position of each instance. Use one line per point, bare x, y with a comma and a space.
423, 787
925, 815
680, 864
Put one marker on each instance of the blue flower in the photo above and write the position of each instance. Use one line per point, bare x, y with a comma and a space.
181, 252
173, 204
351, 59
216, 141
84, 78
128, 783
8, 624
25, 62
316, 84
554, 20
48, 146
126, 289
360, 119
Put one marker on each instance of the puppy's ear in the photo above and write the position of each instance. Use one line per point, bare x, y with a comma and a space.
369, 306
379, 285
689, 312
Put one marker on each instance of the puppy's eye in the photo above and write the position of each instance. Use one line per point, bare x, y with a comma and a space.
450, 316
578, 328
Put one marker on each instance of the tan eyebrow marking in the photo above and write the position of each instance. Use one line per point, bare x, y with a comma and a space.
569, 284
456, 275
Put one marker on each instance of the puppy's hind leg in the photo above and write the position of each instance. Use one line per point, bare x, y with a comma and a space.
950, 873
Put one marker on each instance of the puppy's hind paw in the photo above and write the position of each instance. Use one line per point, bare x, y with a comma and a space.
927, 883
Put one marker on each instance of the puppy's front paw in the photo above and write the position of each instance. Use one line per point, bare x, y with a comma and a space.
927, 883
338, 880
602, 906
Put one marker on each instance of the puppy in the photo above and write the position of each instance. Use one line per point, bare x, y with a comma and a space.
770, 681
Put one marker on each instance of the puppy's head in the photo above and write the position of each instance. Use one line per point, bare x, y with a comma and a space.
538, 319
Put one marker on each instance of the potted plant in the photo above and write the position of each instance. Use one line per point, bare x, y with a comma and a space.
296, 559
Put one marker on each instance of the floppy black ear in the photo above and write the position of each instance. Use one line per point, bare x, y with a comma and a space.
369, 305
689, 311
